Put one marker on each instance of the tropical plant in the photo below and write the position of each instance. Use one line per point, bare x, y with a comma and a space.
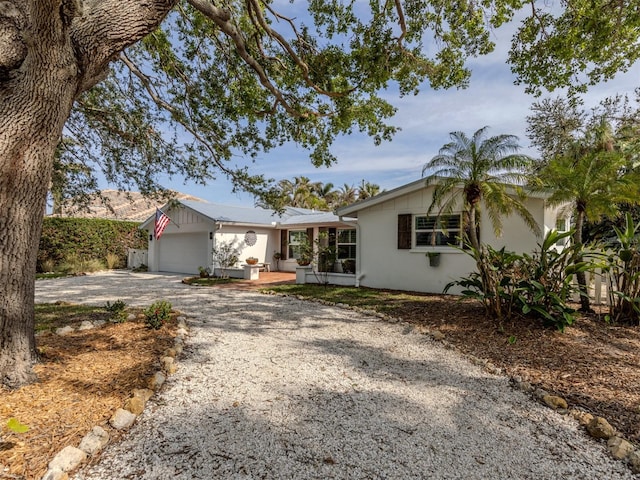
622, 271
488, 172
367, 190
539, 285
589, 161
204, 272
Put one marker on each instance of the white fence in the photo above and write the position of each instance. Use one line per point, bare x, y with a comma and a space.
135, 258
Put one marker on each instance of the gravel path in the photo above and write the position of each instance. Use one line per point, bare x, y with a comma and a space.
277, 388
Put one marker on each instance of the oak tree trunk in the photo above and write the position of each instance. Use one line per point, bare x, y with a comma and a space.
50, 51
35, 101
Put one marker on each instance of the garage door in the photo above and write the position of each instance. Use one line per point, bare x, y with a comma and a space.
183, 252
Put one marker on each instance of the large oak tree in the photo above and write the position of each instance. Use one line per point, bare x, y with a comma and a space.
234, 77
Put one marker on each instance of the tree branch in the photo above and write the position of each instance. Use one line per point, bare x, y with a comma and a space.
106, 27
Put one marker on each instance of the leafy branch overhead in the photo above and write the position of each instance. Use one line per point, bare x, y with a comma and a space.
218, 81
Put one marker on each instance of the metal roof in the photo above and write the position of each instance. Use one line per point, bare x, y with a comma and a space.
291, 216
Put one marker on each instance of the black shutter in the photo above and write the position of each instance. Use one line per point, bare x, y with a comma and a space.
404, 231
284, 247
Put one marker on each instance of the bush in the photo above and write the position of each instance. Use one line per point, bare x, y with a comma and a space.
157, 314
88, 238
538, 285
116, 309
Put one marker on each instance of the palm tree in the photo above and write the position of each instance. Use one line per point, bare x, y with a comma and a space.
346, 195
367, 190
488, 171
591, 178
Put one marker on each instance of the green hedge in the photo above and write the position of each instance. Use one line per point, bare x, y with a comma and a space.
88, 239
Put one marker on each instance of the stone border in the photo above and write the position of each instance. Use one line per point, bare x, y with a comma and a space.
70, 458
597, 427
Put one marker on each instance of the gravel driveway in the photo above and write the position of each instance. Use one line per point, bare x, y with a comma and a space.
277, 388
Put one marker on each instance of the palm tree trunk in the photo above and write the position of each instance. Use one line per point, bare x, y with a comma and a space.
581, 277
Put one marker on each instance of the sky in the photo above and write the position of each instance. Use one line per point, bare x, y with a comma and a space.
425, 120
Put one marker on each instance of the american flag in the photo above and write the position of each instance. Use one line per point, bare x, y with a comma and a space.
161, 223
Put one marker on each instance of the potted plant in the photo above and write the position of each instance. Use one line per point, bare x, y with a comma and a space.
434, 258
277, 256
251, 260
305, 253
304, 260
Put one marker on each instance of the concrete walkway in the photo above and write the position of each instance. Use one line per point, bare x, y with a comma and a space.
278, 388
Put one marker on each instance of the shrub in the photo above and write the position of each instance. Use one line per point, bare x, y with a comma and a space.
157, 314
538, 285
116, 309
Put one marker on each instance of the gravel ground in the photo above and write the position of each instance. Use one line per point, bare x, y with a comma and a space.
277, 388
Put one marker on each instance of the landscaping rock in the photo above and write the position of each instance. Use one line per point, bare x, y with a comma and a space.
170, 352
156, 381
86, 325
143, 393
181, 332
582, 417
178, 349
64, 330
598, 427
55, 474
122, 419
555, 402
619, 447
94, 441
168, 365
131, 317
634, 461
67, 459
135, 405
437, 335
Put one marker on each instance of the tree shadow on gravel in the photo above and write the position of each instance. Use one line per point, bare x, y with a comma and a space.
373, 434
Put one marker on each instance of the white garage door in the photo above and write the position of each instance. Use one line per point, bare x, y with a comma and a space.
183, 252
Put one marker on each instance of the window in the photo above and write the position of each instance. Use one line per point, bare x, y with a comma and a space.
296, 238
346, 244
562, 226
433, 231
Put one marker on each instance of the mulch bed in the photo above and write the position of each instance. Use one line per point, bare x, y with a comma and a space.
84, 377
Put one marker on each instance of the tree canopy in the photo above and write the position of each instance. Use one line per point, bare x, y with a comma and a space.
590, 160
216, 82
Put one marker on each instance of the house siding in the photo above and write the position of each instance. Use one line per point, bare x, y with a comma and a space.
383, 265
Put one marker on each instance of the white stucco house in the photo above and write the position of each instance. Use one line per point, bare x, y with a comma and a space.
395, 235
196, 228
